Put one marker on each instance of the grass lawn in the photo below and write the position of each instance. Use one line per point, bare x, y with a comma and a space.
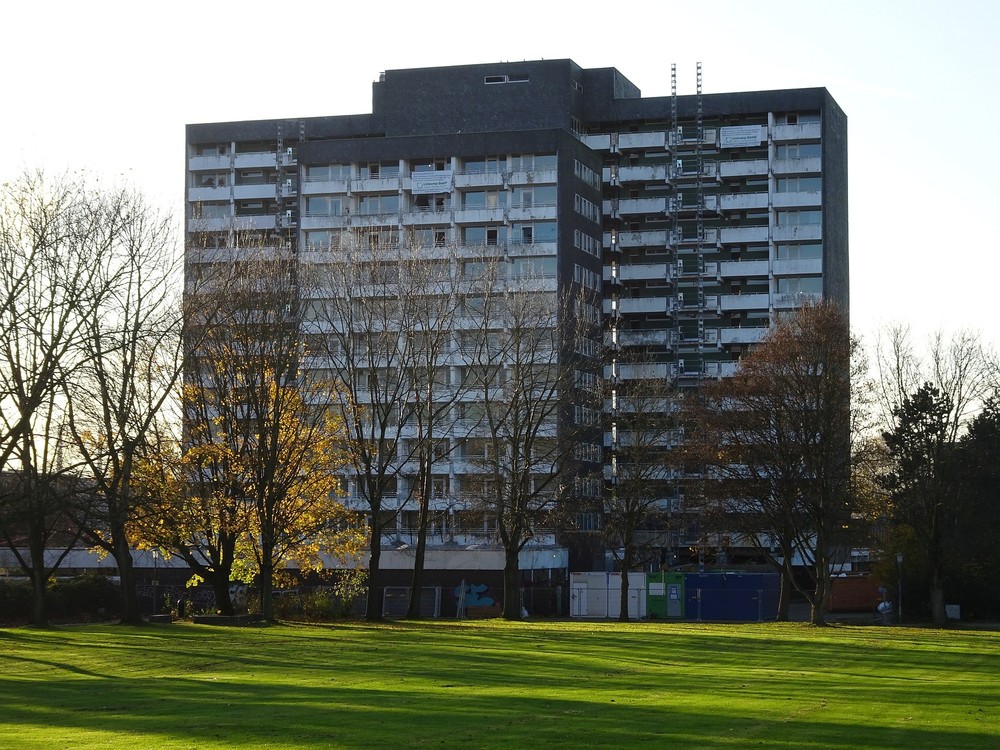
496, 684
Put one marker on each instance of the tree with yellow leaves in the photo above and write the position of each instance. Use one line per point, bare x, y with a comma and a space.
261, 452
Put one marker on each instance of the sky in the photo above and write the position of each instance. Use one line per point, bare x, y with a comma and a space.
107, 87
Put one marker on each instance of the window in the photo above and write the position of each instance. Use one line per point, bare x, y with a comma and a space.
375, 170
799, 251
505, 78
589, 245
586, 208
319, 240
797, 118
486, 164
428, 202
484, 199
211, 210
795, 285
529, 162
211, 179
586, 174
256, 147
799, 151
810, 184
431, 165
322, 205
325, 172
484, 235
211, 149
528, 197
256, 177
534, 268
254, 208
378, 204
531, 234
799, 218
586, 278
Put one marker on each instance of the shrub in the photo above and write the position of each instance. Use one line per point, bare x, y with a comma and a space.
15, 601
87, 595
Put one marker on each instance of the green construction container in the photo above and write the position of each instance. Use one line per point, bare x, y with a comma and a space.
665, 595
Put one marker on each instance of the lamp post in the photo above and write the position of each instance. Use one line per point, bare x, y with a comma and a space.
899, 584
156, 584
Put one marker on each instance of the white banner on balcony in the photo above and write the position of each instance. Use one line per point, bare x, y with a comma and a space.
425, 183
740, 136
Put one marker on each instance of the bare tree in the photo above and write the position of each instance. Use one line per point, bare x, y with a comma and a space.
432, 306
56, 242
356, 324
645, 466
131, 361
778, 436
525, 364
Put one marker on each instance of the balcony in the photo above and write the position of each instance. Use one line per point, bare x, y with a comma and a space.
215, 163
479, 216
377, 184
647, 338
200, 194
803, 232
743, 268
533, 176
322, 221
538, 212
656, 140
798, 267
689, 137
794, 200
629, 206
642, 173
721, 369
639, 272
743, 201
250, 192
255, 159
798, 299
743, 235
806, 131
811, 165
655, 238
745, 301
744, 168
600, 142
645, 371
742, 335
323, 187
631, 306
239, 223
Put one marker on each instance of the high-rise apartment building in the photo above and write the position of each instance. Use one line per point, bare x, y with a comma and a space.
694, 220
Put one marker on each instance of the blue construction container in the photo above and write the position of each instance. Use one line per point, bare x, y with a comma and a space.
731, 596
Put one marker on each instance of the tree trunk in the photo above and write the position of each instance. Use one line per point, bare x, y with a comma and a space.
938, 613
623, 589
373, 612
131, 614
223, 601
39, 606
417, 582
511, 585
784, 594
821, 587
266, 585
